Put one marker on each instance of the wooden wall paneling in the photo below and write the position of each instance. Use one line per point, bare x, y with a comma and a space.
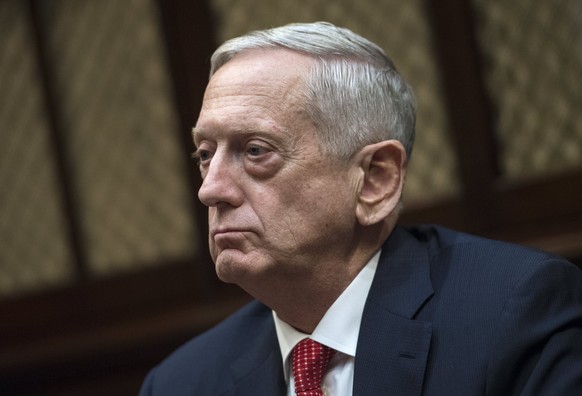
101, 336
190, 37
545, 213
102, 329
468, 107
57, 137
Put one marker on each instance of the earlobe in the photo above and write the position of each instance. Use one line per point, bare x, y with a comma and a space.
384, 167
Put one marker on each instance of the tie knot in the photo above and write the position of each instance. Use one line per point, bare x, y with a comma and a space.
310, 360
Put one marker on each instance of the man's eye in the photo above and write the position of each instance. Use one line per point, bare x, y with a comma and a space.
255, 150
202, 155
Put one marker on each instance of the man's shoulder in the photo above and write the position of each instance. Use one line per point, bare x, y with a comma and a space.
501, 314
227, 336
486, 266
484, 260
441, 241
194, 365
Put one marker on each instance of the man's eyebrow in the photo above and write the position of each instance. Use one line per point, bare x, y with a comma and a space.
197, 132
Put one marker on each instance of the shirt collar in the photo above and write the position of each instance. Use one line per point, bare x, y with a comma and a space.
340, 326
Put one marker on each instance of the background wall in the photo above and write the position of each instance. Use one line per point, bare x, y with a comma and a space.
103, 262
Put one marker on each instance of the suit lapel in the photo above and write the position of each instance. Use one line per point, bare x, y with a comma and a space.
392, 350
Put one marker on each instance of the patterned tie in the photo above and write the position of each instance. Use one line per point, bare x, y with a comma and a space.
310, 360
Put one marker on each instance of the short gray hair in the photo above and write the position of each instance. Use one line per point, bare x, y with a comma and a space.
354, 95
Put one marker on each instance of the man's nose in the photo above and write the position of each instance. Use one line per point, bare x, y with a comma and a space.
220, 184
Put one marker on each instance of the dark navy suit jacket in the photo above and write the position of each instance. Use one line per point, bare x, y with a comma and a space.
447, 314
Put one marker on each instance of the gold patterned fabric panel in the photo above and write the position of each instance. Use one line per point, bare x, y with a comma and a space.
400, 27
533, 57
123, 134
33, 243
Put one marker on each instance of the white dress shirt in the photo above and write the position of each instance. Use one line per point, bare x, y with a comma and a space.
339, 329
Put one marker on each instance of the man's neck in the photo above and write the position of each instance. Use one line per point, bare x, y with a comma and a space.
301, 299
303, 302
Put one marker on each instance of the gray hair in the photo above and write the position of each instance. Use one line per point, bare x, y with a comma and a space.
354, 95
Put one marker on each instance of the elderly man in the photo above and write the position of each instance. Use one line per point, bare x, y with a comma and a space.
302, 142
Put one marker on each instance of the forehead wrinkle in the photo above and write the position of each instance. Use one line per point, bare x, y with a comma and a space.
242, 129
251, 111
271, 100
268, 96
257, 115
272, 81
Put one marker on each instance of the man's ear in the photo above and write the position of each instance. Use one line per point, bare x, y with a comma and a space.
384, 167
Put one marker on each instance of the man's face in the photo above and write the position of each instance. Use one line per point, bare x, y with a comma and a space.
278, 207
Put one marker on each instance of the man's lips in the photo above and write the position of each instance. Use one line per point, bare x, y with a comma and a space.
231, 238
225, 232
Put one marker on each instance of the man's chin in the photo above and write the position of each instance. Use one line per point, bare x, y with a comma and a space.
233, 266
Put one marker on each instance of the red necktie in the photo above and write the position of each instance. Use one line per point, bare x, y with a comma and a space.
310, 360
